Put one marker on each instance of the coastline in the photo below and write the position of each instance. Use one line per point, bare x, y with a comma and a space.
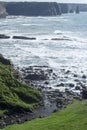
48, 106
52, 100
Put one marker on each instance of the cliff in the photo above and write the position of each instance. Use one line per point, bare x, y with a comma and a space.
38, 8
33, 8
14, 95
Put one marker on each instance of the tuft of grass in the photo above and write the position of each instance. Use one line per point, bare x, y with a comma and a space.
74, 117
15, 95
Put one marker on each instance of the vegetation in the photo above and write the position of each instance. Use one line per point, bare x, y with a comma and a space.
74, 117
13, 94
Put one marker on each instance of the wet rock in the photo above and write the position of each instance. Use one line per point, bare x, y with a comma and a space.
77, 87
2, 36
4, 60
35, 76
84, 93
37, 73
24, 38
56, 39
61, 84
67, 72
71, 85
84, 76
46, 82
75, 75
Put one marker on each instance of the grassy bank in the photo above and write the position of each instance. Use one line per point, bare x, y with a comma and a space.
74, 117
15, 96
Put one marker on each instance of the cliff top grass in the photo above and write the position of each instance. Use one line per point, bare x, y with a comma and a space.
74, 117
14, 95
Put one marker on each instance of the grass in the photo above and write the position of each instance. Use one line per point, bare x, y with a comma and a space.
15, 95
74, 117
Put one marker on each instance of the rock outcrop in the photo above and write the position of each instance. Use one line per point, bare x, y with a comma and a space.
4, 60
24, 38
3, 36
3, 12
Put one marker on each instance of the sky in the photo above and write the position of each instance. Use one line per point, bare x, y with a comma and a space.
59, 1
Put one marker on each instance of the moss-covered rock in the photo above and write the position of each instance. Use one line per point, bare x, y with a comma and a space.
15, 96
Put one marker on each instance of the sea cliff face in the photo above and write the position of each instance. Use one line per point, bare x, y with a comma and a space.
33, 8
38, 8
3, 12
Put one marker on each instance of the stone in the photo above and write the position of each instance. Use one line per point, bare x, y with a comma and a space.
75, 75
84, 76
61, 84
2, 36
35, 76
4, 60
71, 85
24, 38
77, 88
84, 93
46, 83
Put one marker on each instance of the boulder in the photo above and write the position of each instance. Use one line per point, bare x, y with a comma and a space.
35, 76
4, 60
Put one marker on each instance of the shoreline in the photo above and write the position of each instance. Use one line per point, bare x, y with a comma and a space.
53, 99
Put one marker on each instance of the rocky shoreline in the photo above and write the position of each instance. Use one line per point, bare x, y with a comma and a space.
19, 37
54, 99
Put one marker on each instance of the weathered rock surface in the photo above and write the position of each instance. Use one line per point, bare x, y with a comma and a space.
2, 36
24, 37
33, 8
4, 60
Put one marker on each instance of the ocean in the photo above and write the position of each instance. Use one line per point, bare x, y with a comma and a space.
61, 42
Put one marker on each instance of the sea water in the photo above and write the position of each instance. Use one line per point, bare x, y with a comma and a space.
68, 50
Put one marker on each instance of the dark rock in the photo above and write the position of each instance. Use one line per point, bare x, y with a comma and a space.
35, 76
60, 39
61, 84
23, 37
84, 76
67, 72
77, 88
4, 60
46, 82
2, 36
55, 110
84, 93
71, 85
75, 75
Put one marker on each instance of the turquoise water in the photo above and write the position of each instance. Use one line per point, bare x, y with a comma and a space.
70, 52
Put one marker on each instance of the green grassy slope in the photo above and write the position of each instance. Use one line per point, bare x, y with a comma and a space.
13, 94
74, 117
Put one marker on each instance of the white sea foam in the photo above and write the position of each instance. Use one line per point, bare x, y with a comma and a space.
70, 50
